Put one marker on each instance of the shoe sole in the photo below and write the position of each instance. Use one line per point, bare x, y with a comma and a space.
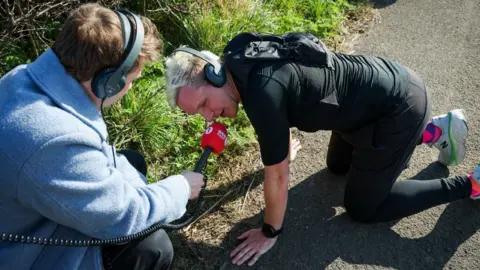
461, 148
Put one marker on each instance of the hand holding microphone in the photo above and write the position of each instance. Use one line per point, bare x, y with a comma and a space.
214, 139
195, 180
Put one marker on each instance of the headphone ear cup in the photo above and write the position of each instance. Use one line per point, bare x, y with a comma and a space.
99, 84
121, 84
216, 80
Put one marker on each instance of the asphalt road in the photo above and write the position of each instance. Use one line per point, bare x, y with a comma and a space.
440, 39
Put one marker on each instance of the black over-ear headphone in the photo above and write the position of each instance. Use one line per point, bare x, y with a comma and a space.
110, 81
213, 70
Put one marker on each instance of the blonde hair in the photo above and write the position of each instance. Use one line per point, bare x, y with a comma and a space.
184, 69
91, 39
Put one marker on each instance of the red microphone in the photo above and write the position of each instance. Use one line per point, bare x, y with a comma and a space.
214, 139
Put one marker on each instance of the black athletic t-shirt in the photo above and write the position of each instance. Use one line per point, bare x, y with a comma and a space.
284, 94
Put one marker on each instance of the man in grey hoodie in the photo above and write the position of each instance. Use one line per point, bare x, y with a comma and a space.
60, 176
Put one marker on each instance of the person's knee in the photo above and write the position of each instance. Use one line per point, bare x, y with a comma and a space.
358, 210
157, 249
338, 167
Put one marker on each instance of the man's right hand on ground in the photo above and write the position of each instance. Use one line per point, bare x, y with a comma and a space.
196, 183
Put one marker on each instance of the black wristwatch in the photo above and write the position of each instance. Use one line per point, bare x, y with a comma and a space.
269, 231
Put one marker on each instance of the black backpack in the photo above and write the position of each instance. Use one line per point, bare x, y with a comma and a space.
246, 49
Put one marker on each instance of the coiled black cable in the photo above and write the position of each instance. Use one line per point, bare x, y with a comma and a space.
184, 221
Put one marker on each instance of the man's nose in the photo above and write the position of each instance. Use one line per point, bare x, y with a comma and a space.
208, 115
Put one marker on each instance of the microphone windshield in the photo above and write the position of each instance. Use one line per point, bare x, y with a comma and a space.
215, 136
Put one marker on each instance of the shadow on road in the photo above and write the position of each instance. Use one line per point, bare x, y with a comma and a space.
316, 236
382, 3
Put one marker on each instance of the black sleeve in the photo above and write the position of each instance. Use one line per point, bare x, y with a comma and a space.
265, 105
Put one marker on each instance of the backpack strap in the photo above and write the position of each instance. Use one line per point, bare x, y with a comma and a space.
245, 50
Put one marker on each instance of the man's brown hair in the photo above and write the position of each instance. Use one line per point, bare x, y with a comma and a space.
91, 40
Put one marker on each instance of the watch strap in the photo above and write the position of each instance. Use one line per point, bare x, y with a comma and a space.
269, 231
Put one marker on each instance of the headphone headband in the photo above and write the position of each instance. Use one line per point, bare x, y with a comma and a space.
213, 70
111, 81
215, 64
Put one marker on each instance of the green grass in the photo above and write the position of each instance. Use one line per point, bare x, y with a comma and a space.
322, 17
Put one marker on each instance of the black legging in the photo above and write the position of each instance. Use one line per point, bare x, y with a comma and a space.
377, 200
374, 156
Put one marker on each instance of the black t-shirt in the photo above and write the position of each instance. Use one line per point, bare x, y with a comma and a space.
284, 94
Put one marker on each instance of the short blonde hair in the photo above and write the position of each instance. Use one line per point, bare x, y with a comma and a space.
184, 69
91, 39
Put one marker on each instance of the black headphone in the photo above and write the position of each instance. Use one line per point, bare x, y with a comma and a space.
213, 70
110, 81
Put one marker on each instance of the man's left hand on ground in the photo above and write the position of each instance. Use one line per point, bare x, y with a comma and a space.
254, 245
